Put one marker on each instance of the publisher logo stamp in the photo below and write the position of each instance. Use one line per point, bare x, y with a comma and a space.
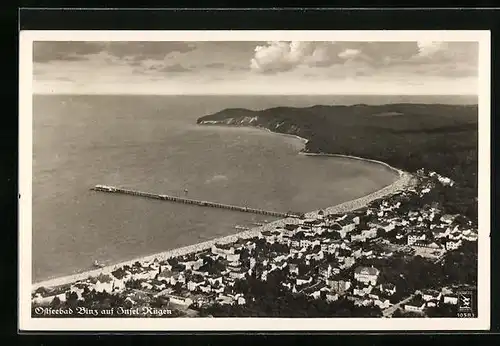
465, 304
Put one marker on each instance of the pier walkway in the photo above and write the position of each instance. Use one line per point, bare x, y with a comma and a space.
113, 189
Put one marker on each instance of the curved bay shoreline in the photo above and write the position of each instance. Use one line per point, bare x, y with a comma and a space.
403, 182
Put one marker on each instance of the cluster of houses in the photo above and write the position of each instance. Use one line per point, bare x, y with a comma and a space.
316, 256
427, 230
431, 298
434, 176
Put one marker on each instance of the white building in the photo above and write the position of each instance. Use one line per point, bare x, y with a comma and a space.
347, 225
369, 233
450, 299
428, 295
222, 249
414, 237
233, 257
453, 245
448, 219
382, 303
366, 274
362, 291
212, 280
357, 236
389, 288
237, 274
293, 268
182, 301
302, 280
331, 297
103, 286
194, 283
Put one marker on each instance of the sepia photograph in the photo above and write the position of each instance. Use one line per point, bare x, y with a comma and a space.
254, 180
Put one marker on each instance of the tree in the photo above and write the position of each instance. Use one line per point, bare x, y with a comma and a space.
242, 286
159, 302
172, 261
381, 232
397, 313
412, 314
244, 254
460, 266
71, 299
442, 310
133, 284
178, 287
279, 248
41, 290
55, 303
119, 273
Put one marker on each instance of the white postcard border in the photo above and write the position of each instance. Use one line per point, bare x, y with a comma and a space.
27, 323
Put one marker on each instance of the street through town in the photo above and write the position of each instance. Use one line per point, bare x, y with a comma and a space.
390, 310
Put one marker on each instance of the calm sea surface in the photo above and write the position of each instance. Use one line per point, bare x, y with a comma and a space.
152, 143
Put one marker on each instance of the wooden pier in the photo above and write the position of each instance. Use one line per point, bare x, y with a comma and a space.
113, 189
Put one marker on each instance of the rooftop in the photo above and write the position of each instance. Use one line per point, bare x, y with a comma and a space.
430, 292
345, 222
336, 227
416, 301
367, 271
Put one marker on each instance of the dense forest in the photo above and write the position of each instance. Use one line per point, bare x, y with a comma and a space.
441, 138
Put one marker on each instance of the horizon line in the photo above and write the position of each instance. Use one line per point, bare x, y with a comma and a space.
237, 94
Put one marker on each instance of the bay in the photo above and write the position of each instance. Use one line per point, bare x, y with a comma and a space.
152, 143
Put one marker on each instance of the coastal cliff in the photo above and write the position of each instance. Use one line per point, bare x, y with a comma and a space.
249, 118
436, 137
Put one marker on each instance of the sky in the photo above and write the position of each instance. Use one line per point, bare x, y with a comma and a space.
246, 67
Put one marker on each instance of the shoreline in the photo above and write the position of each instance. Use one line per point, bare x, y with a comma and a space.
305, 141
400, 184
306, 153
404, 180
302, 139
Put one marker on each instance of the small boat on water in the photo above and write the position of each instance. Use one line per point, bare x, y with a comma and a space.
241, 227
97, 264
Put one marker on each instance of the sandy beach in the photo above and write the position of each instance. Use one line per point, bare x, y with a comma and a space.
404, 180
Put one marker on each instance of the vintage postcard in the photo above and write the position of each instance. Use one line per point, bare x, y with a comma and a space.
254, 180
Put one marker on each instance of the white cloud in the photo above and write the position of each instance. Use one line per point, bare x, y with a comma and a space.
274, 56
317, 67
430, 48
283, 56
299, 50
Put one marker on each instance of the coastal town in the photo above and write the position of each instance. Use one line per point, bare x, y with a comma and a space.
395, 257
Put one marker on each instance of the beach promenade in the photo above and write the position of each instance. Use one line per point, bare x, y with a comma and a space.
404, 181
